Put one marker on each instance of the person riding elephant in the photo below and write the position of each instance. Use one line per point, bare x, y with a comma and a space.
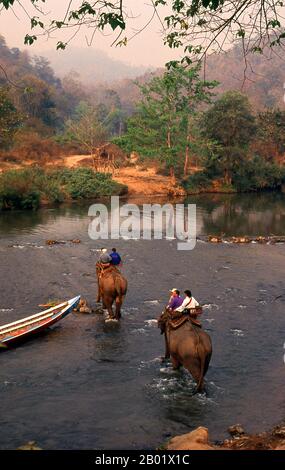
189, 307
112, 285
175, 300
116, 259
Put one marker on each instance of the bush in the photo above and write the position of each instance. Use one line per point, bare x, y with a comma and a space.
17, 191
25, 189
197, 181
258, 174
84, 183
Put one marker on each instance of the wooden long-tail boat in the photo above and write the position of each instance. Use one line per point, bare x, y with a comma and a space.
17, 330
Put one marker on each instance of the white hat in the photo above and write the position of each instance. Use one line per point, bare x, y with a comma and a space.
104, 250
173, 290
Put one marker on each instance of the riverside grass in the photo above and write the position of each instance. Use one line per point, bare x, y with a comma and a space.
29, 188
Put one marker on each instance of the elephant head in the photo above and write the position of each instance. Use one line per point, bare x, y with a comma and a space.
162, 321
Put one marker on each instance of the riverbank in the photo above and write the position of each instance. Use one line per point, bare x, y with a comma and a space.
240, 440
31, 188
145, 179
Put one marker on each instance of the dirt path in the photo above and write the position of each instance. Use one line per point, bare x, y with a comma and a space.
146, 181
139, 180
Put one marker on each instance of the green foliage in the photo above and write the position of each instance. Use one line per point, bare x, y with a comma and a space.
18, 191
257, 174
197, 182
164, 122
231, 125
82, 183
10, 118
26, 189
197, 26
270, 142
253, 175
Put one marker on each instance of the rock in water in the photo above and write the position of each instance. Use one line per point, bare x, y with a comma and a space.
111, 320
31, 445
83, 307
236, 430
195, 440
279, 431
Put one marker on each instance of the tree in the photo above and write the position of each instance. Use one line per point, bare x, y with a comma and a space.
231, 124
86, 129
194, 92
270, 142
164, 125
10, 119
197, 25
44, 72
110, 112
36, 99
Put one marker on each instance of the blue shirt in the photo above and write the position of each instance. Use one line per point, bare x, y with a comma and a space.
175, 302
116, 259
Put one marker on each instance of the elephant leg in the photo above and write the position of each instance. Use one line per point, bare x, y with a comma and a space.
99, 290
193, 365
108, 305
118, 307
207, 362
175, 363
167, 353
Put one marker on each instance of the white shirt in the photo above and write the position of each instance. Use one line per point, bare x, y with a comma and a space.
187, 303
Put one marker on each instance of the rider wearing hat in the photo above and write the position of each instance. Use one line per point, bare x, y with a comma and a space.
175, 300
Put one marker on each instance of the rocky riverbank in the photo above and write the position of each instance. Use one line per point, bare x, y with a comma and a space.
240, 440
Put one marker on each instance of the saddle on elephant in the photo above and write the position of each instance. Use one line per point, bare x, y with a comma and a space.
104, 269
176, 319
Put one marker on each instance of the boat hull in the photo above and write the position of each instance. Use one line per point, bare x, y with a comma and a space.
29, 326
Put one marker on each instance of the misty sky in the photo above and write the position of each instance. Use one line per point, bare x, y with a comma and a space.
146, 48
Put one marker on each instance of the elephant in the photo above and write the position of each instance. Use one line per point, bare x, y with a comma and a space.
112, 287
187, 345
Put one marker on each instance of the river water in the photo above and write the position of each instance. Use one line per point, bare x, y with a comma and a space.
87, 385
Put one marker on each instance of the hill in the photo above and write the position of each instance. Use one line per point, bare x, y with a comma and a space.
261, 77
92, 65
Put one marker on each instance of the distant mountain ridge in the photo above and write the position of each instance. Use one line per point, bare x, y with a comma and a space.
261, 77
92, 65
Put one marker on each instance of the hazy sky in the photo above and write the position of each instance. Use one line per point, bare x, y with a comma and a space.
144, 49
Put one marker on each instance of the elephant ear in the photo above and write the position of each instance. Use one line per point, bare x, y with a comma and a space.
161, 324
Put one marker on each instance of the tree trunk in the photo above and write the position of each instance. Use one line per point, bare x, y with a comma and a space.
168, 139
187, 151
227, 177
172, 175
186, 161
93, 158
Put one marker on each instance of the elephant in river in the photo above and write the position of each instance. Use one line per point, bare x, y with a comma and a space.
112, 287
187, 345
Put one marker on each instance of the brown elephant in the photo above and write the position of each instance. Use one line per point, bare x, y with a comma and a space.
112, 287
187, 345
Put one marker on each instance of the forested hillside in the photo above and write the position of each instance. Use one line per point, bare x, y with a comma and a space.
179, 118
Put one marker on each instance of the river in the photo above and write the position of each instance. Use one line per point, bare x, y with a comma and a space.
87, 385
